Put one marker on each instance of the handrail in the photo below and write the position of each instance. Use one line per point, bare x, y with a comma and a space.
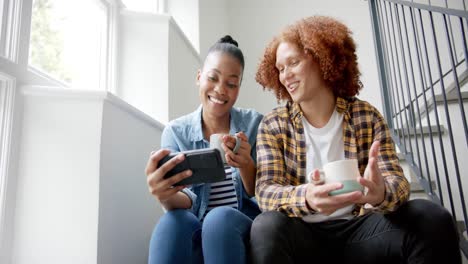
431, 8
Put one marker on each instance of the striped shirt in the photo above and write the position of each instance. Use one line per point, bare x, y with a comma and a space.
223, 193
281, 157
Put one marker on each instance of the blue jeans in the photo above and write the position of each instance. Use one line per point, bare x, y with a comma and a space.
180, 237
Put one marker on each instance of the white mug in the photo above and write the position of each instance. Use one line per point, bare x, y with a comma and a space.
216, 141
343, 171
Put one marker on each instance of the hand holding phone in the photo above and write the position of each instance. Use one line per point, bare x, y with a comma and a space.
163, 189
206, 166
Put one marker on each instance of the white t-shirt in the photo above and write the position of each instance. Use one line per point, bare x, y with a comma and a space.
325, 145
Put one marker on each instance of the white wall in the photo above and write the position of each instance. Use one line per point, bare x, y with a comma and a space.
127, 211
213, 23
186, 14
82, 195
142, 66
157, 66
58, 180
184, 62
254, 23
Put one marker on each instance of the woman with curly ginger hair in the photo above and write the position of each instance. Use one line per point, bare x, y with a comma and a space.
312, 64
329, 43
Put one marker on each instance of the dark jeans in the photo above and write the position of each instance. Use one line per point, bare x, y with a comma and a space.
418, 232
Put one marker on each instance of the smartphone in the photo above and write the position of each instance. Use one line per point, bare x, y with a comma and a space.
206, 165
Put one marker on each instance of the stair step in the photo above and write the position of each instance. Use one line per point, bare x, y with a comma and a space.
462, 79
425, 130
415, 186
400, 156
452, 97
419, 195
461, 227
451, 94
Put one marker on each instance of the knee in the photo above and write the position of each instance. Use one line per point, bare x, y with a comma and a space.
429, 216
268, 225
178, 221
221, 213
427, 211
222, 221
434, 224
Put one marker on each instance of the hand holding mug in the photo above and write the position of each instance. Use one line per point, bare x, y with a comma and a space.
242, 157
235, 149
345, 172
318, 196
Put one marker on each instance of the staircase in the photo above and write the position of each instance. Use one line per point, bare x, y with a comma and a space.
422, 56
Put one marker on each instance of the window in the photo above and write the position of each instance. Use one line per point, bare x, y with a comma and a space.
69, 41
3, 20
9, 26
148, 6
2, 3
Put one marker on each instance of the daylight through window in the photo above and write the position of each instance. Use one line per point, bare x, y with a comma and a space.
69, 41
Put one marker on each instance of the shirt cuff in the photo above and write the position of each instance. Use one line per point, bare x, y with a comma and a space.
192, 196
386, 205
301, 201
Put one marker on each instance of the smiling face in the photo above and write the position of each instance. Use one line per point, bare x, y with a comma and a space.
219, 82
299, 73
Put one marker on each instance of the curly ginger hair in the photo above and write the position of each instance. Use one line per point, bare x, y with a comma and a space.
330, 44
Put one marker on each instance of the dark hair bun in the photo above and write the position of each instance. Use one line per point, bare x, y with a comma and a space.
228, 39
228, 45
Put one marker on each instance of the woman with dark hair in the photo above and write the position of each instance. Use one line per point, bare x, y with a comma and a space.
208, 223
313, 65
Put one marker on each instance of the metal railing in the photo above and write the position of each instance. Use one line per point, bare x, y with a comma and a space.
422, 57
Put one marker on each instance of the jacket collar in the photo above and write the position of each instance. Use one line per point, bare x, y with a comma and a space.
196, 123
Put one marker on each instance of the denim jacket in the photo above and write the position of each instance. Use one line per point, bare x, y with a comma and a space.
185, 133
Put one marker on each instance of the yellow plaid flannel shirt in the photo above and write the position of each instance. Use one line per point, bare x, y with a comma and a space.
281, 157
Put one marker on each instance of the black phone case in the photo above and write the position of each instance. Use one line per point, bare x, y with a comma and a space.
206, 165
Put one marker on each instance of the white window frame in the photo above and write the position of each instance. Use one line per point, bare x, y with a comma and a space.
12, 67
162, 6
10, 29
7, 182
113, 9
